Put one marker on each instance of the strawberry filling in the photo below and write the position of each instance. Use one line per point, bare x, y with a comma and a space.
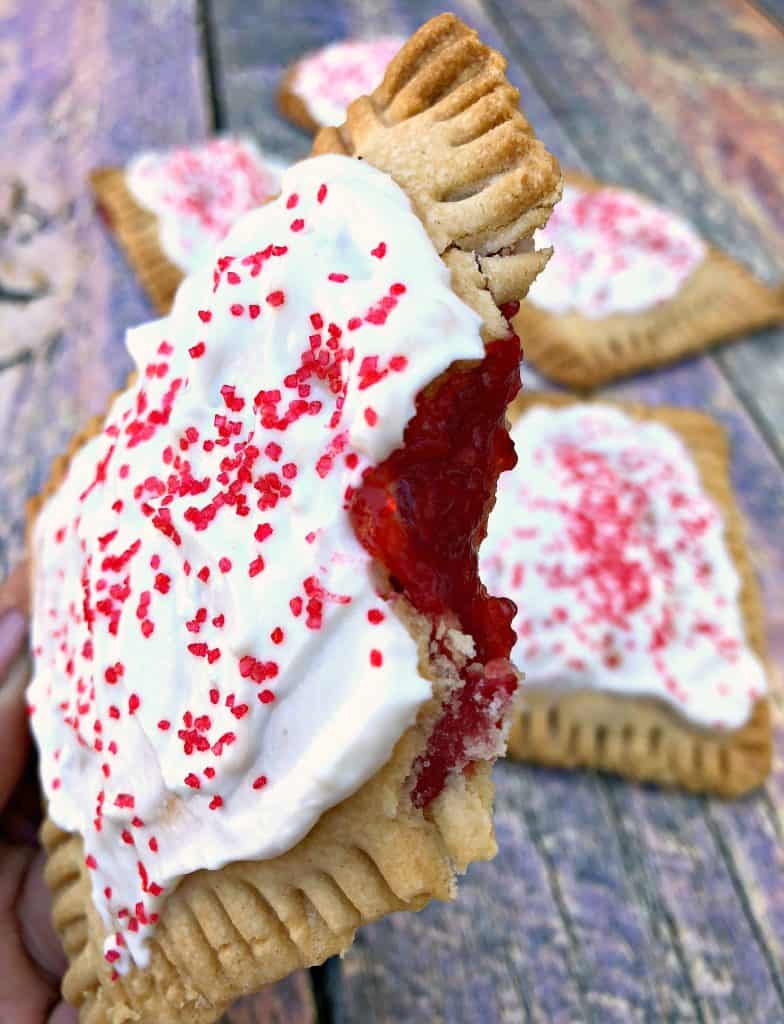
423, 514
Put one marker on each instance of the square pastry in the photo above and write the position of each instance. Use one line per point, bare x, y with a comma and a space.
269, 686
315, 92
640, 631
170, 208
632, 286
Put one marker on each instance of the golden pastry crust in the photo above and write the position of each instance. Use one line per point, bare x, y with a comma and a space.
719, 300
138, 231
224, 933
645, 739
445, 124
228, 932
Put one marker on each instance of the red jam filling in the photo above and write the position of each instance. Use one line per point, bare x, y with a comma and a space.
423, 514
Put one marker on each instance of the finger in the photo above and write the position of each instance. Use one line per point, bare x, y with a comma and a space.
25, 996
13, 726
15, 590
13, 633
64, 1014
20, 820
34, 912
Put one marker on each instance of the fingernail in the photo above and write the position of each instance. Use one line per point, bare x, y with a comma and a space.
13, 630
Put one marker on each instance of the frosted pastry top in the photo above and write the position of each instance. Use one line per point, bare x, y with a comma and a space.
214, 666
198, 192
616, 559
614, 252
329, 79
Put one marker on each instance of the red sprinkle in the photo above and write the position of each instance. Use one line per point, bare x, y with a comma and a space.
376, 658
256, 566
260, 782
262, 532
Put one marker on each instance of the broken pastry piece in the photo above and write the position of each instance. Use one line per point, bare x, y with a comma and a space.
632, 286
269, 685
639, 624
170, 208
315, 91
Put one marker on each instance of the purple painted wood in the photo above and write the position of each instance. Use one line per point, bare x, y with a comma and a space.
583, 916
83, 84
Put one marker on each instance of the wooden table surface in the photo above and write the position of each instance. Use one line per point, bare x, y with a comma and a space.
608, 902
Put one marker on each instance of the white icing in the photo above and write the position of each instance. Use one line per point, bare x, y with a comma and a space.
615, 557
614, 252
329, 79
198, 192
335, 713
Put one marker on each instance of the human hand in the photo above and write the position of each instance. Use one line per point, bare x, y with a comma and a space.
31, 956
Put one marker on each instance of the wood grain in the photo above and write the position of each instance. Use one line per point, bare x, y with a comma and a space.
606, 902
71, 80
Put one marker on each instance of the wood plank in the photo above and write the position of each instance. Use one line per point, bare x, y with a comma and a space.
579, 916
72, 81
83, 84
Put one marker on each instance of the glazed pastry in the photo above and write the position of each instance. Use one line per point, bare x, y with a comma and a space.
639, 627
632, 286
269, 685
170, 208
316, 91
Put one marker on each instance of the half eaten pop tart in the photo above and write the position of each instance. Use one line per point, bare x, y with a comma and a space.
269, 684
